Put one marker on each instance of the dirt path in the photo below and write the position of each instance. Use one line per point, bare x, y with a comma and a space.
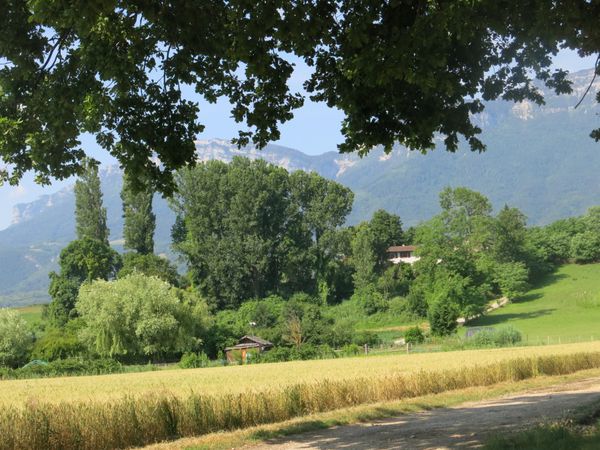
464, 426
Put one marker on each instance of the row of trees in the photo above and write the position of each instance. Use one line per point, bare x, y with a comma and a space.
112, 305
267, 252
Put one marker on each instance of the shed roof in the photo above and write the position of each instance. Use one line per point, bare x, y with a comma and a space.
401, 248
255, 339
243, 346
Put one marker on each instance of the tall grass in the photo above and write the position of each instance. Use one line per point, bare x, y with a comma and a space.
137, 421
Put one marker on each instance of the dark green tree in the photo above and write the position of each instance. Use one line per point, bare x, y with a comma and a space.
466, 216
139, 220
364, 258
323, 205
83, 260
241, 232
90, 214
386, 230
403, 71
509, 234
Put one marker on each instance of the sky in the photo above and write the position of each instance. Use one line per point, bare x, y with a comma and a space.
315, 129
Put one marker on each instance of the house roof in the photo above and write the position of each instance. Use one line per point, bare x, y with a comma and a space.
401, 248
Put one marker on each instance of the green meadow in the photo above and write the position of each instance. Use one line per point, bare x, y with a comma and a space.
565, 306
31, 314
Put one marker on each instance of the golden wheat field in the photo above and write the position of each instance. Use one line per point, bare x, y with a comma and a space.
238, 379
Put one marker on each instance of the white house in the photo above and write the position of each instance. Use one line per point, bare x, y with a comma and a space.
402, 253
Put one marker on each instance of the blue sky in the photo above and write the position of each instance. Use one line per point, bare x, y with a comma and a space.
315, 129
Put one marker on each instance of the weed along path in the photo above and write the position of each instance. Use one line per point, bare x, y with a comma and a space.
463, 426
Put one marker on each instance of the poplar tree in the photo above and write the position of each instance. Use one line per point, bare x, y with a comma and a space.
140, 221
90, 214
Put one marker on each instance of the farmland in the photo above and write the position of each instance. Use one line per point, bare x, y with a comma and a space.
565, 305
133, 420
238, 379
31, 314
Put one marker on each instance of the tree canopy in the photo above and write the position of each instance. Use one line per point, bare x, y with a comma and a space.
401, 71
249, 228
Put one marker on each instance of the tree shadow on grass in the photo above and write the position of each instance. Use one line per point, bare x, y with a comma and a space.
549, 279
528, 297
497, 319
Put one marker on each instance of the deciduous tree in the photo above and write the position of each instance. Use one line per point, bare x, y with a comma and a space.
139, 220
402, 71
90, 214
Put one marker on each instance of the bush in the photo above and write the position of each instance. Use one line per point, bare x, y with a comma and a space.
278, 354
15, 338
585, 247
414, 335
58, 344
351, 350
309, 351
69, 366
507, 336
496, 338
191, 360
366, 337
442, 316
370, 300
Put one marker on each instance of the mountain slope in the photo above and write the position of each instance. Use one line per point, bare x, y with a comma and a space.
540, 160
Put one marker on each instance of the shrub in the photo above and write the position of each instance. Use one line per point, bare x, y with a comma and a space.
496, 338
351, 350
309, 351
414, 335
57, 344
507, 336
15, 338
585, 247
191, 360
278, 354
366, 337
442, 316
371, 300
69, 366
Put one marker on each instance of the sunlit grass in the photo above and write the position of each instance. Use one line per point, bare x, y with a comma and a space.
565, 306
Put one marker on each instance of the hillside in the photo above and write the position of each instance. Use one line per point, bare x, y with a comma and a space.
540, 160
565, 306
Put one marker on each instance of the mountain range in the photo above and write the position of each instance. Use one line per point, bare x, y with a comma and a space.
539, 159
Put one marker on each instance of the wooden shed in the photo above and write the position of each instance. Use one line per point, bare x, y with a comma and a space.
246, 345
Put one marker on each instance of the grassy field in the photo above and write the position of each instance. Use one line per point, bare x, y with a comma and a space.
31, 314
565, 306
239, 379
